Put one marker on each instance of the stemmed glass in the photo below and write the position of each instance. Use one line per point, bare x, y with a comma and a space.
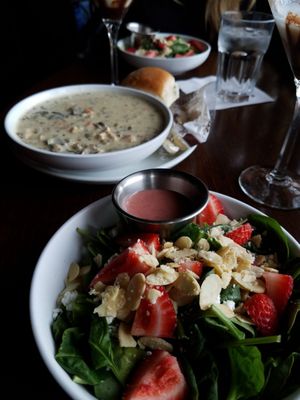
112, 13
277, 187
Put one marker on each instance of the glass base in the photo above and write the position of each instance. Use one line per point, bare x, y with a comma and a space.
263, 186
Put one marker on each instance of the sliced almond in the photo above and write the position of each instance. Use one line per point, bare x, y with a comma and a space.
211, 259
184, 242
152, 295
125, 338
203, 244
164, 275
226, 279
155, 343
73, 273
180, 298
69, 288
248, 281
98, 259
85, 270
229, 258
269, 269
256, 240
185, 289
122, 280
187, 284
99, 287
258, 271
135, 290
177, 255
149, 259
210, 291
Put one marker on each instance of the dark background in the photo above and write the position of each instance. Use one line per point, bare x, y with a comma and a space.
39, 37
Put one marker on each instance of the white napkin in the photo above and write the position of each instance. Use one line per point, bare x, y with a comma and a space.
190, 85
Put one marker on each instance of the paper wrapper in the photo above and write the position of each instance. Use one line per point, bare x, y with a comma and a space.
191, 115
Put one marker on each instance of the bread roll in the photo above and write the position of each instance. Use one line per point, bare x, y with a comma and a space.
156, 81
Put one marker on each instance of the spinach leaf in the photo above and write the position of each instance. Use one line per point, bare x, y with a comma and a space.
147, 44
292, 315
254, 341
232, 292
191, 379
293, 268
127, 358
247, 372
109, 388
196, 232
106, 353
273, 237
70, 356
206, 373
193, 343
59, 325
179, 48
193, 231
214, 245
99, 242
246, 327
216, 318
278, 371
82, 309
101, 345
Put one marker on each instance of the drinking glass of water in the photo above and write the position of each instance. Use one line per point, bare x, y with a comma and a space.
243, 40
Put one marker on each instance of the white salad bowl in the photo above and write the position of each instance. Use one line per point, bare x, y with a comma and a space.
84, 162
65, 247
175, 66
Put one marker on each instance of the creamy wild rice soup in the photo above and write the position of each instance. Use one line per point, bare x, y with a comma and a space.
90, 123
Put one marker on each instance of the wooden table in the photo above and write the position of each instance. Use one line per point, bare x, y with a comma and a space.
34, 205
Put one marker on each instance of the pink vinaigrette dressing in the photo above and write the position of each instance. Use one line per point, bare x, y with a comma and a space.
157, 205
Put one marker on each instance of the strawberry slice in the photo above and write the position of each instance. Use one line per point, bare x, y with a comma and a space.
130, 261
190, 52
151, 53
171, 38
158, 319
262, 311
152, 240
242, 234
191, 265
279, 287
213, 208
198, 45
131, 49
158, 377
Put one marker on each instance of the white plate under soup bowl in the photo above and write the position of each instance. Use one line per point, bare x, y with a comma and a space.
72, 161
65, 247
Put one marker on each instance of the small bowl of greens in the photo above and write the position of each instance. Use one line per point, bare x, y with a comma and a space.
215, 308
173, 52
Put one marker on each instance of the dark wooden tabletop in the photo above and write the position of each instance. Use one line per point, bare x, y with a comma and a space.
34, 205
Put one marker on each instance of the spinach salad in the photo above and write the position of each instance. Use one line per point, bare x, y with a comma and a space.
218, 303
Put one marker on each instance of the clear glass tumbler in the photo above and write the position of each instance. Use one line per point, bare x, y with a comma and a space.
243, 40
